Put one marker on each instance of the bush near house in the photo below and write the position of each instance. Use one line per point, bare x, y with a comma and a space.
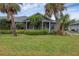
27, 32
5, 31
36, 32
4, 24
20, 25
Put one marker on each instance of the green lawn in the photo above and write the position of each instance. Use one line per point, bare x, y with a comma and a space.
39, 45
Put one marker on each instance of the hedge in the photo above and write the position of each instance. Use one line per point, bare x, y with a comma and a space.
27, 32
5, 31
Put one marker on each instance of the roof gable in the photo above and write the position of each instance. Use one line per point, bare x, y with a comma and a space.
44, 17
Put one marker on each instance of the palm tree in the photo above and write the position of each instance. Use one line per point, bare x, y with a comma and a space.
10, 9
55, 9
64, 20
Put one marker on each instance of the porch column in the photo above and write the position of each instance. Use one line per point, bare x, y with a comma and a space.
42, 25
49, 27
26, 25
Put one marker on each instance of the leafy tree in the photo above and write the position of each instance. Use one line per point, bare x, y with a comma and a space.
4, 24
10, 9
20, 25
35, 19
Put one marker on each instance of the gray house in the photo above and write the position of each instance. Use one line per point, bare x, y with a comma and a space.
74, 27
45, 23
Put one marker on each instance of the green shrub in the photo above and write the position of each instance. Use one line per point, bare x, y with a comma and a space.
20, 31
4, 24
27, 32
36, 32
20, 25
5, 31
52, 32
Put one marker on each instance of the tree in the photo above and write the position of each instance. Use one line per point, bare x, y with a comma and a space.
35, 19
64, 21
10, 9
20, 25
4, 24
55, 9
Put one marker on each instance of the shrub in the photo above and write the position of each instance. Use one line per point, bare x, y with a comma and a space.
20, 25
20, 31
5, 31
52, 32
36, 32
27, 32
4, 24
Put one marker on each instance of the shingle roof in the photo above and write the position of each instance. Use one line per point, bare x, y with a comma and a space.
17, 19
45, 18
20, 19
76, 23
24, 18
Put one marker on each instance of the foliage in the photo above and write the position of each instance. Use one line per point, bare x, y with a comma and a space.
5, 31
4, 24
56, 9
36, 32
20, 25
64, 19
35, 19
10, 9
13, 7
53, 8
27, 32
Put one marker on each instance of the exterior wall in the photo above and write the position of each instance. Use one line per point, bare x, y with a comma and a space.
45, 25
74, 27
22, 25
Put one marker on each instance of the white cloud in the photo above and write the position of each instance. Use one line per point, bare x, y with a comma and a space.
29, 9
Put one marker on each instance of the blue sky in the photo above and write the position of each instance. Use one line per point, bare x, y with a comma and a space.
32, 8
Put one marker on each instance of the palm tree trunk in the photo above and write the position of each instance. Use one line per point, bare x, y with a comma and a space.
13, 26
57, 26
8, 16
62, 30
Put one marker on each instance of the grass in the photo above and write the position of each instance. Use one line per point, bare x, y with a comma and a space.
39, 45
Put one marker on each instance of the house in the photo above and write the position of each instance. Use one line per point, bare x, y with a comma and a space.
18, 20
74, 27
45, 23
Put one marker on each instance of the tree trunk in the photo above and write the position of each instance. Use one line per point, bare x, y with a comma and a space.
62, 29
57, 26
8, 16
13, 26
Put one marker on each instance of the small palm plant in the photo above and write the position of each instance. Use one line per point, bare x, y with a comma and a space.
64, 20
10, 9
